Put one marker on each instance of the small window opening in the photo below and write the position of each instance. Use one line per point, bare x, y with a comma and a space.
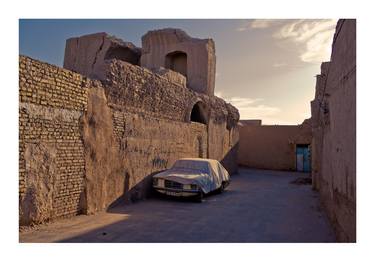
177, 61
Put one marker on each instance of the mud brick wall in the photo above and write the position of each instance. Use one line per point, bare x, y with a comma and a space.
139, 91
272, 146
86, 144
334, 132
51, 160
144, 129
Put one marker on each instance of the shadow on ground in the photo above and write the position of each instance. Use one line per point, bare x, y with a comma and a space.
258, 206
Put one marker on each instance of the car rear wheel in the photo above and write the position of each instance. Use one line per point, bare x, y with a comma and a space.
222, 187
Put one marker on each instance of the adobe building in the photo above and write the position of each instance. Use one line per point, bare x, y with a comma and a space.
186, 60
276, 147
174, 49
334, 132
95, 132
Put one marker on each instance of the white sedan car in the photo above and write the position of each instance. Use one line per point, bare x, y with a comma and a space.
192, 177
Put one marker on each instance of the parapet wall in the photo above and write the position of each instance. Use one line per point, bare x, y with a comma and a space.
86, 144
334, 132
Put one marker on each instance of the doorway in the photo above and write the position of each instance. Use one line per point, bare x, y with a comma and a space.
303, 158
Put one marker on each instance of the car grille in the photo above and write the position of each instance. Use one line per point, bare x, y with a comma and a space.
172, 184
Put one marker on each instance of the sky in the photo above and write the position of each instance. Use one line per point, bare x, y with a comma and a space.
266, 68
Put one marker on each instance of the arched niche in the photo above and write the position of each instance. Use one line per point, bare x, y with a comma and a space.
199, 113
177, 61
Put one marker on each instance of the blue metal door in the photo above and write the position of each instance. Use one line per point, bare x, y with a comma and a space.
303, 158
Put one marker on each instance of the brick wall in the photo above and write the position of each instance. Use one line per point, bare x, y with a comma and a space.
51, 103
85, 144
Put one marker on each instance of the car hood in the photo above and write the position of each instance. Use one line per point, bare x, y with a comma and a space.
186, 176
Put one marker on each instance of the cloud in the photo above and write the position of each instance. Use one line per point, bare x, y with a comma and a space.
259, 24
312, 38
264, 23
251, 108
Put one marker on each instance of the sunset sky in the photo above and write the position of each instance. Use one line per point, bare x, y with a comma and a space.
266, 68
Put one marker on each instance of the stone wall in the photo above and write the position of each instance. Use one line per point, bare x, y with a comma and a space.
271, 146
334, 132
86, 144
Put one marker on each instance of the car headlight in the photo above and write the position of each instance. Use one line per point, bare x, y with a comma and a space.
190, 187
194, 187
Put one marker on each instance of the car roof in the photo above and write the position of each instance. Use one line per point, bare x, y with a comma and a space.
198, 161
209, 161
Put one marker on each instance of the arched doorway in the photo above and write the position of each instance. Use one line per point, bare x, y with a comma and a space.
199, 113
177, 61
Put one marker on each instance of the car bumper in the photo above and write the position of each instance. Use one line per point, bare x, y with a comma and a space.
177, 192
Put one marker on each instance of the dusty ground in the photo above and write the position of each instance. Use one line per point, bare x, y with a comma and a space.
258, 206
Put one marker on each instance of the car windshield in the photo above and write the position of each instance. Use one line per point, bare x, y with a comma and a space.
196, 165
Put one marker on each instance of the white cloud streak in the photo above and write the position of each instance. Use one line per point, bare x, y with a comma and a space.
251, 108
265, 23
312, 38
259, 24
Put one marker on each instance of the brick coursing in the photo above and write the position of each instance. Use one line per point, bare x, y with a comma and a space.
51, 103
139, 91
84, 143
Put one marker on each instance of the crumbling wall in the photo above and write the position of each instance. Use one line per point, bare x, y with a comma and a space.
51, 157
159, 45
87, 54
318, 114
334, 132
271, 146
104, 179
86, 144
137, 90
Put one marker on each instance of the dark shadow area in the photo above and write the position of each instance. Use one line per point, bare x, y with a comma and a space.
199, 113
257, 207
177, 61
230, 160
140, 191
301, 181
124, 54
144, 224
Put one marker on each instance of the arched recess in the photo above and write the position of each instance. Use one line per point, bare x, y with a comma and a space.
199, 113
177, 61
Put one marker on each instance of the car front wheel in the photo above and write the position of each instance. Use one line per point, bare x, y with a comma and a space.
199, 197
